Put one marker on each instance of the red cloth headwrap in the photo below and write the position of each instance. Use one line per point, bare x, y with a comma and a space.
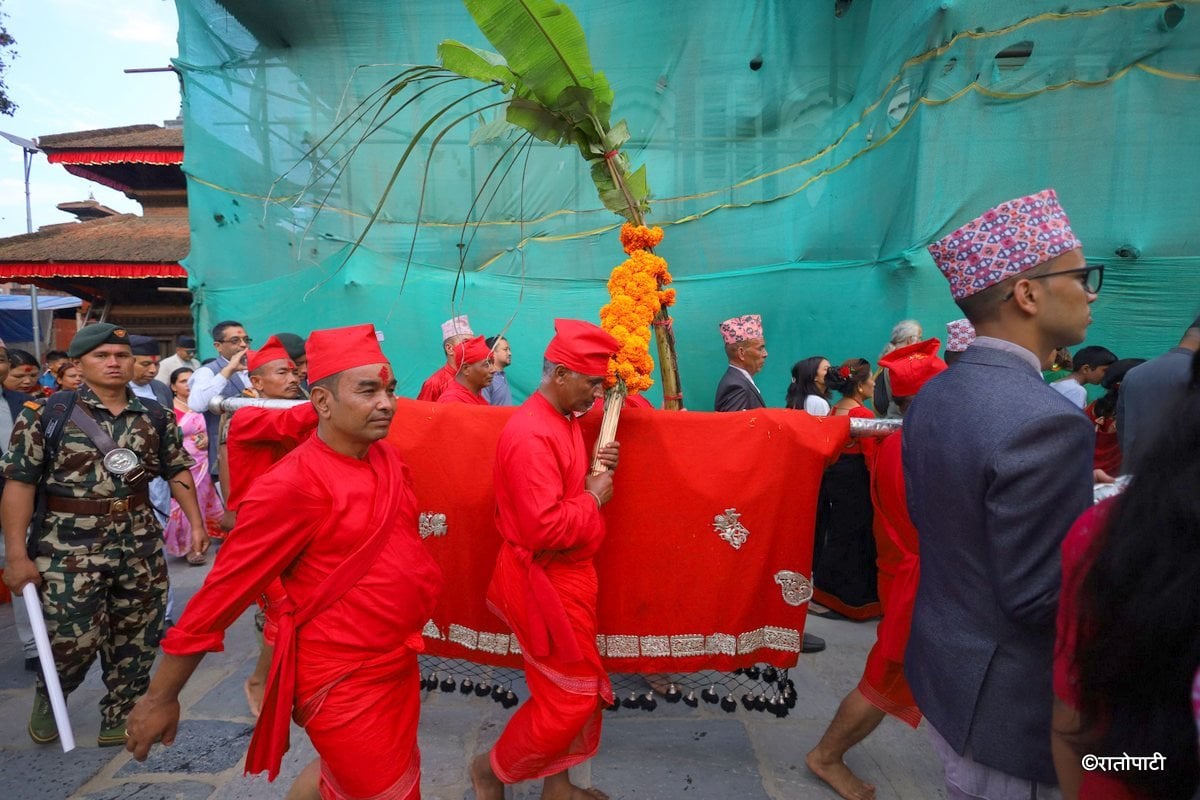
273, 350
581, 346
339, 349
909, 367
471, 351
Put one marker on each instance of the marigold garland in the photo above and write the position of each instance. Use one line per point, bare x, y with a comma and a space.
636, 295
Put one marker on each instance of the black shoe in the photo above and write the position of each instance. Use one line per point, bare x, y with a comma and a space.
829, 613
32, 664
812, 644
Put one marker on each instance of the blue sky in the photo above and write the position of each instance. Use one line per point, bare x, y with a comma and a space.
68, 76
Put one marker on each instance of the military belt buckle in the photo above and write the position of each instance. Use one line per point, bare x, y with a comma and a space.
119, 506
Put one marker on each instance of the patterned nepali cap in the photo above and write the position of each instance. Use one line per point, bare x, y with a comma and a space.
1013, 237
959, 335
456, 326
739, 329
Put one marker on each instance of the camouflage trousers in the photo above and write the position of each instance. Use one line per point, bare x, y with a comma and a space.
110, 602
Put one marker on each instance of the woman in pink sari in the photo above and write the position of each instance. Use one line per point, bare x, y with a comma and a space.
195, 441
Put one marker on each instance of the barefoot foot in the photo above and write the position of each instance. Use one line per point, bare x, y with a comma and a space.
839, 777
487, 785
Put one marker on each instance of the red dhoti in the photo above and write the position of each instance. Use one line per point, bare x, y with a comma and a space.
378, 700
883, 682
559, 725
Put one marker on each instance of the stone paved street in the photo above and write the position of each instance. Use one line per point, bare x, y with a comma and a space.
674, 752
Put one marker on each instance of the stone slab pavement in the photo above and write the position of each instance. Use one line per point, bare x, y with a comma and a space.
673, 752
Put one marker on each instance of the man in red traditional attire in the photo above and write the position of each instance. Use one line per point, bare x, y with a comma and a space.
883, 688
475, 372
360, 586
257, 439
454, 331
544, 585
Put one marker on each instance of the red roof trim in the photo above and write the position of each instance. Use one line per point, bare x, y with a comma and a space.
116, 156
19, 271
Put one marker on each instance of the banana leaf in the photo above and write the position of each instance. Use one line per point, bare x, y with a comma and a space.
544, 45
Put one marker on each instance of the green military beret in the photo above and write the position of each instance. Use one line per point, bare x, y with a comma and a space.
92, 336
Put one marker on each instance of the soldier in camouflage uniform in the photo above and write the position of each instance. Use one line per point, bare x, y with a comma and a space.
99, 555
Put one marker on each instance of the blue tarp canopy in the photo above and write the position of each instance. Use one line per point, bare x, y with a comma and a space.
16, 319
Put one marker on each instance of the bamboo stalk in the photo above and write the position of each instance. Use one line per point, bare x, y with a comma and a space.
664, 334
614, 401
668, 365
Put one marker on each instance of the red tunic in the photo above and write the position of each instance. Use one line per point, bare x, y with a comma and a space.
436, 383
455, 392
258, 438
883, 682
545, 587
350, 663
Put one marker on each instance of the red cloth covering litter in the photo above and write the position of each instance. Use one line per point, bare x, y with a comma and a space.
673, 595
883, 682
339, 532
436, 383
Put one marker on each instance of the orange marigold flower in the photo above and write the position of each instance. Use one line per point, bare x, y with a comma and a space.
636, 295
639, 237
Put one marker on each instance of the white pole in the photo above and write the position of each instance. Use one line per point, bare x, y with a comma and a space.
49, 671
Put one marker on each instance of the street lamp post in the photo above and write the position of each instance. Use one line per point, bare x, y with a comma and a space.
29, 147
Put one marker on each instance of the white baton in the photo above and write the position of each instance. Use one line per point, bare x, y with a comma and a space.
49, 671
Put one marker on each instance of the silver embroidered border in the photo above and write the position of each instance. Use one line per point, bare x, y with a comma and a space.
680, 645
464, 636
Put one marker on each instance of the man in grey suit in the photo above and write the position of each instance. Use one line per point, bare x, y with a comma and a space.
746, 348
997, 466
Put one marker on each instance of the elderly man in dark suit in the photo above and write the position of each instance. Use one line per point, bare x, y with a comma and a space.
747, 351
998, 465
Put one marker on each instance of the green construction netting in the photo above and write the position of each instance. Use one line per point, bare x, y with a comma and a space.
804, 189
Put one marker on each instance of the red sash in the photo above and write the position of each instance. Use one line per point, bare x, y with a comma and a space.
270, 740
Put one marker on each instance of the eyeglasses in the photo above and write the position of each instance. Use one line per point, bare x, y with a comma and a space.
246, 340
1092, 278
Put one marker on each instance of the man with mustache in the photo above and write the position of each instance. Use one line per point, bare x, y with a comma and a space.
98, 555
475, 370
360, 586
544, 585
